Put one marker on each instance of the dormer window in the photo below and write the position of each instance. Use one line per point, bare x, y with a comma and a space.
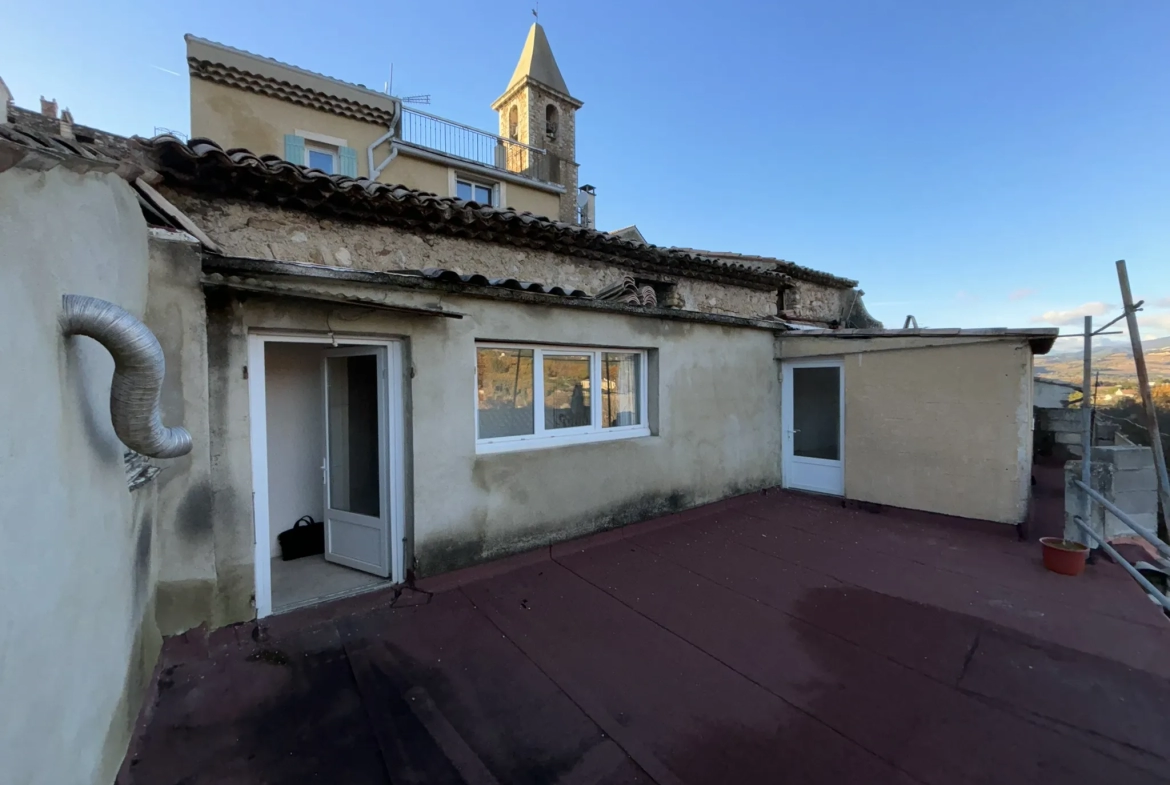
550, 121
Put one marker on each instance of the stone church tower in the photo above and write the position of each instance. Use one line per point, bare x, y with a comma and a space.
537, 110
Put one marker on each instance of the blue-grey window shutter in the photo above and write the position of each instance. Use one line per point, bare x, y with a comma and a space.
294, 149
348, 162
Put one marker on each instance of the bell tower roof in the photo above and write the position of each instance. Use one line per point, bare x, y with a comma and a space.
537, 63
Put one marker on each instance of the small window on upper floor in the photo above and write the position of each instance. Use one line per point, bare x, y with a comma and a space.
321, 157
475, 192
324, 153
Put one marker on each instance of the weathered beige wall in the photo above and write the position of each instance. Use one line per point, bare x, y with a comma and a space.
175, 313
943, 428
77, 636
238, 118
414, 173
264, 232
532, 200
718, 402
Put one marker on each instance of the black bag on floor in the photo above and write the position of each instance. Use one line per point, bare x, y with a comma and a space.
305, 538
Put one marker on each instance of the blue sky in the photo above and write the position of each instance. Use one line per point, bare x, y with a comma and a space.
971, 163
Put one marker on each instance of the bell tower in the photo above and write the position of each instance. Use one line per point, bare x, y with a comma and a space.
537, 110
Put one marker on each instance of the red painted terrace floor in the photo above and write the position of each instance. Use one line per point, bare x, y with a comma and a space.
770, 638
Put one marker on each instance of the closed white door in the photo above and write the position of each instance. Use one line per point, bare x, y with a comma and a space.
813, 415
357, 451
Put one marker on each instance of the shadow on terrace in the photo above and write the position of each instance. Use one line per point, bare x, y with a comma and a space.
768, 638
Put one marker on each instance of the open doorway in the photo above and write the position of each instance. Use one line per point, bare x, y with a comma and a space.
327, 444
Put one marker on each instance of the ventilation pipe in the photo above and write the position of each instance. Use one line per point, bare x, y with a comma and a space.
139, 369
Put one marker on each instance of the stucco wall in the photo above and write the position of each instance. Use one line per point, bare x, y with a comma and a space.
260, 231
239, 118
77, 638
532, 200
717, 404
944, 428
176, 315
1051, 395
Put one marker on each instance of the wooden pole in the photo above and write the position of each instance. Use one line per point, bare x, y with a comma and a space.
1139, 361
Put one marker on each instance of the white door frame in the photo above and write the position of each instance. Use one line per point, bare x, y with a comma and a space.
786, 421
258, 434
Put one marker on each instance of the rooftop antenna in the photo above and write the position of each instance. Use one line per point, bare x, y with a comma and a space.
388, 89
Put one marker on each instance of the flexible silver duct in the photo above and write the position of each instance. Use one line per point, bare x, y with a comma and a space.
139, 368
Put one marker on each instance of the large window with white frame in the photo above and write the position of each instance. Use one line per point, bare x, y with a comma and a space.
529, 396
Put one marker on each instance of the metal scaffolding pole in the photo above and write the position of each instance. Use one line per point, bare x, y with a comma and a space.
1087, 425
1139, 360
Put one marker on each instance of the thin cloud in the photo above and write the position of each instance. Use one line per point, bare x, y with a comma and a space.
1072, 315
1160, 322
1163, 302
1022, 294
165, 70
964, 296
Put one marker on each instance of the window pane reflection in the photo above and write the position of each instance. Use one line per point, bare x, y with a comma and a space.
505, 392
621, 402
566, 391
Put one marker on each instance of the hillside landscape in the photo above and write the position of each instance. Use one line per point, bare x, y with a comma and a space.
1114, 361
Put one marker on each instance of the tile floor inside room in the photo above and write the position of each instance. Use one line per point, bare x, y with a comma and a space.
310, 579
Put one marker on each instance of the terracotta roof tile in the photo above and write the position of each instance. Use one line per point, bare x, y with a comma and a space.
779, 265
204, 166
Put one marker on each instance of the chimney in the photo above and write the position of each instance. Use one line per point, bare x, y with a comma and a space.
49, 108
66, 124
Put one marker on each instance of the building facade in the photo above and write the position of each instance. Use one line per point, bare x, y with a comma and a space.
271, 108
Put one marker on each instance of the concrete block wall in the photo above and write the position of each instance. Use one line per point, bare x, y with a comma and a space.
1058, 431
1125, 476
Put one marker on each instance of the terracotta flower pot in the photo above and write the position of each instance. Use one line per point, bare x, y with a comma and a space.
1064, 556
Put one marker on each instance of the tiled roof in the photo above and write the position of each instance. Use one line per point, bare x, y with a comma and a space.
367, 287
780, 265
203, 166
26, 147
227, 65
475, 279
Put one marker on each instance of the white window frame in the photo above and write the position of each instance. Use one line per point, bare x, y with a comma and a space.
542, 437
323, 143
454, 177
318, 148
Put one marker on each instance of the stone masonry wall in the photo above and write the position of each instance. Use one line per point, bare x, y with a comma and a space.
816, 302
265, 232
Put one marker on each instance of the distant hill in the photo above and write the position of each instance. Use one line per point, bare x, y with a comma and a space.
1113, 359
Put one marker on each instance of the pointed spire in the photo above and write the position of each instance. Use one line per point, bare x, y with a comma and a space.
537, 62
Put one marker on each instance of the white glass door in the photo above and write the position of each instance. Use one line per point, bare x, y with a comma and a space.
357, 490
814, 426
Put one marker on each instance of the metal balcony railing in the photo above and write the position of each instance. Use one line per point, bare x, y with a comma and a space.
471, 144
